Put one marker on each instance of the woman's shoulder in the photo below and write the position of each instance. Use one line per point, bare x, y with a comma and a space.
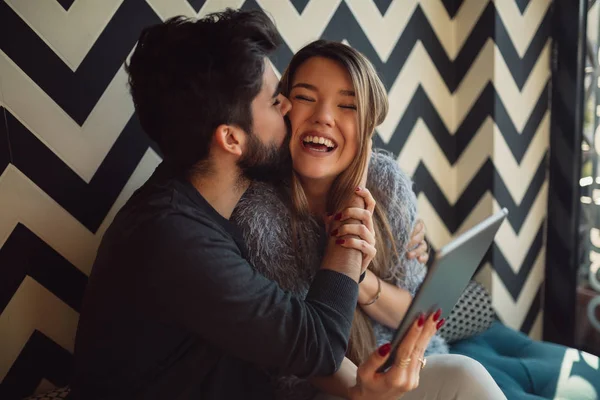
386, 176
262, 204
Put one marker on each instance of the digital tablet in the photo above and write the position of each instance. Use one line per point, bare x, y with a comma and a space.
453, 267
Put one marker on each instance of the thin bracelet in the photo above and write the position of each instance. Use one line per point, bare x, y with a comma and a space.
377, 295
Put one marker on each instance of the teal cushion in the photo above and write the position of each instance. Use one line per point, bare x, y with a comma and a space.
530, 369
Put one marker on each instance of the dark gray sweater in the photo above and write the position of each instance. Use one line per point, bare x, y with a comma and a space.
264, 217
173, 310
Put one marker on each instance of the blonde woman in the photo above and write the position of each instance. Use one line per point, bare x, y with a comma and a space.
337, 101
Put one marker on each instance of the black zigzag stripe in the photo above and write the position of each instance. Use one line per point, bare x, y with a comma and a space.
88, 203
534, 311
421, 106
40, 358
514, 281
490, 25
343, 25
489, 103
454, 216
75, 92
522, 4
42, 263
452, 7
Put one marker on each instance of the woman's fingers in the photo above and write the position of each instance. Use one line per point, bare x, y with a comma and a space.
419, 252
355, 229
417, 236
399, 372
367, 197
360, 214
418, 354
368, 368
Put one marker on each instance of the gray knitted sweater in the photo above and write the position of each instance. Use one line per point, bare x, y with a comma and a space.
264, 218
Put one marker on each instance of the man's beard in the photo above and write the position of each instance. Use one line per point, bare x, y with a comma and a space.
265, 163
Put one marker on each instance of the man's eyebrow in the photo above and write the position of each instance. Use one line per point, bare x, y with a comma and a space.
343, 92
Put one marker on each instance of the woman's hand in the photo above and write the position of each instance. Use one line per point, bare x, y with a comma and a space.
417, 247
357, 236
403, 376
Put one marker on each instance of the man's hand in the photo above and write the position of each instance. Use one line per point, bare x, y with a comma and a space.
417, 247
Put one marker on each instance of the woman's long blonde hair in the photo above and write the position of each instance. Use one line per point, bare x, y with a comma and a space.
372, 108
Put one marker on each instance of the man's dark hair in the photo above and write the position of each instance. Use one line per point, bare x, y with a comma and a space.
189, 76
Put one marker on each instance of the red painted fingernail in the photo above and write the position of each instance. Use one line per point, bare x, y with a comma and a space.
437, 314
335, 232
441, 323
421, 320
358, 188
338, 216
340, 241
384, 349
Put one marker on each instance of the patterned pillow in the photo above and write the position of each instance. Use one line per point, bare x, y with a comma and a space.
60, 393
472, 314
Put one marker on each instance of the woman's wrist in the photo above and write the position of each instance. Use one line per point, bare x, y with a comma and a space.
368, 288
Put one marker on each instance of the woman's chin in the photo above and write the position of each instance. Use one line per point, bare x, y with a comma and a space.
310, 174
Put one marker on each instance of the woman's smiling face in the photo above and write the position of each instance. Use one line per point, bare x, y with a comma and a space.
323, 119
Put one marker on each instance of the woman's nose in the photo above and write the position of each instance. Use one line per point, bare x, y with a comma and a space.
323, 115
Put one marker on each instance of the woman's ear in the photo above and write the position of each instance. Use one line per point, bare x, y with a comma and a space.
229, 139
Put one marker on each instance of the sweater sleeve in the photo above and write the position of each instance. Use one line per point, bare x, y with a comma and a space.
393, 191
206, 286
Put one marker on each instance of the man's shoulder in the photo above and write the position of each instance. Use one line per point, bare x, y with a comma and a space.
165, 211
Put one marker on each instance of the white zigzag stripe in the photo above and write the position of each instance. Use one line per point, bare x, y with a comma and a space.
489, 66
507, 165
488, 142
34, 307
298, 30
437, 231
166, 9
537, 329
82, 148
522, 28
515, 246
511, 312
70, 34
383, 31
421, 146
453, 33
32, 207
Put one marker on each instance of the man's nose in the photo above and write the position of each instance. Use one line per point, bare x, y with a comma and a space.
286, 105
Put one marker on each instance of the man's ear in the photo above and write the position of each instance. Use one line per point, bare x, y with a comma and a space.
230, 139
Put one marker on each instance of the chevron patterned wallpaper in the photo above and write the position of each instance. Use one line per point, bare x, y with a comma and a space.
468, 88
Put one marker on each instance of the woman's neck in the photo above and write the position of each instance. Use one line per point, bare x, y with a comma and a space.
316, 191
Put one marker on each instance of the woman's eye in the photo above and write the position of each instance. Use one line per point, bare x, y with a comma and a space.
348, 106
277, 102
300, 97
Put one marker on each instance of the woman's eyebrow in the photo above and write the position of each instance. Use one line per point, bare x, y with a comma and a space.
343, 92
306, 86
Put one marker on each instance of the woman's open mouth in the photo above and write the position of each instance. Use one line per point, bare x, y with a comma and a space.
318, 144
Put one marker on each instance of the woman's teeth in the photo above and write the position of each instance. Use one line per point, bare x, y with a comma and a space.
318, 140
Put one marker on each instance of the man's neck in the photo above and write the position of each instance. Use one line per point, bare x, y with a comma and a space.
221, 190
